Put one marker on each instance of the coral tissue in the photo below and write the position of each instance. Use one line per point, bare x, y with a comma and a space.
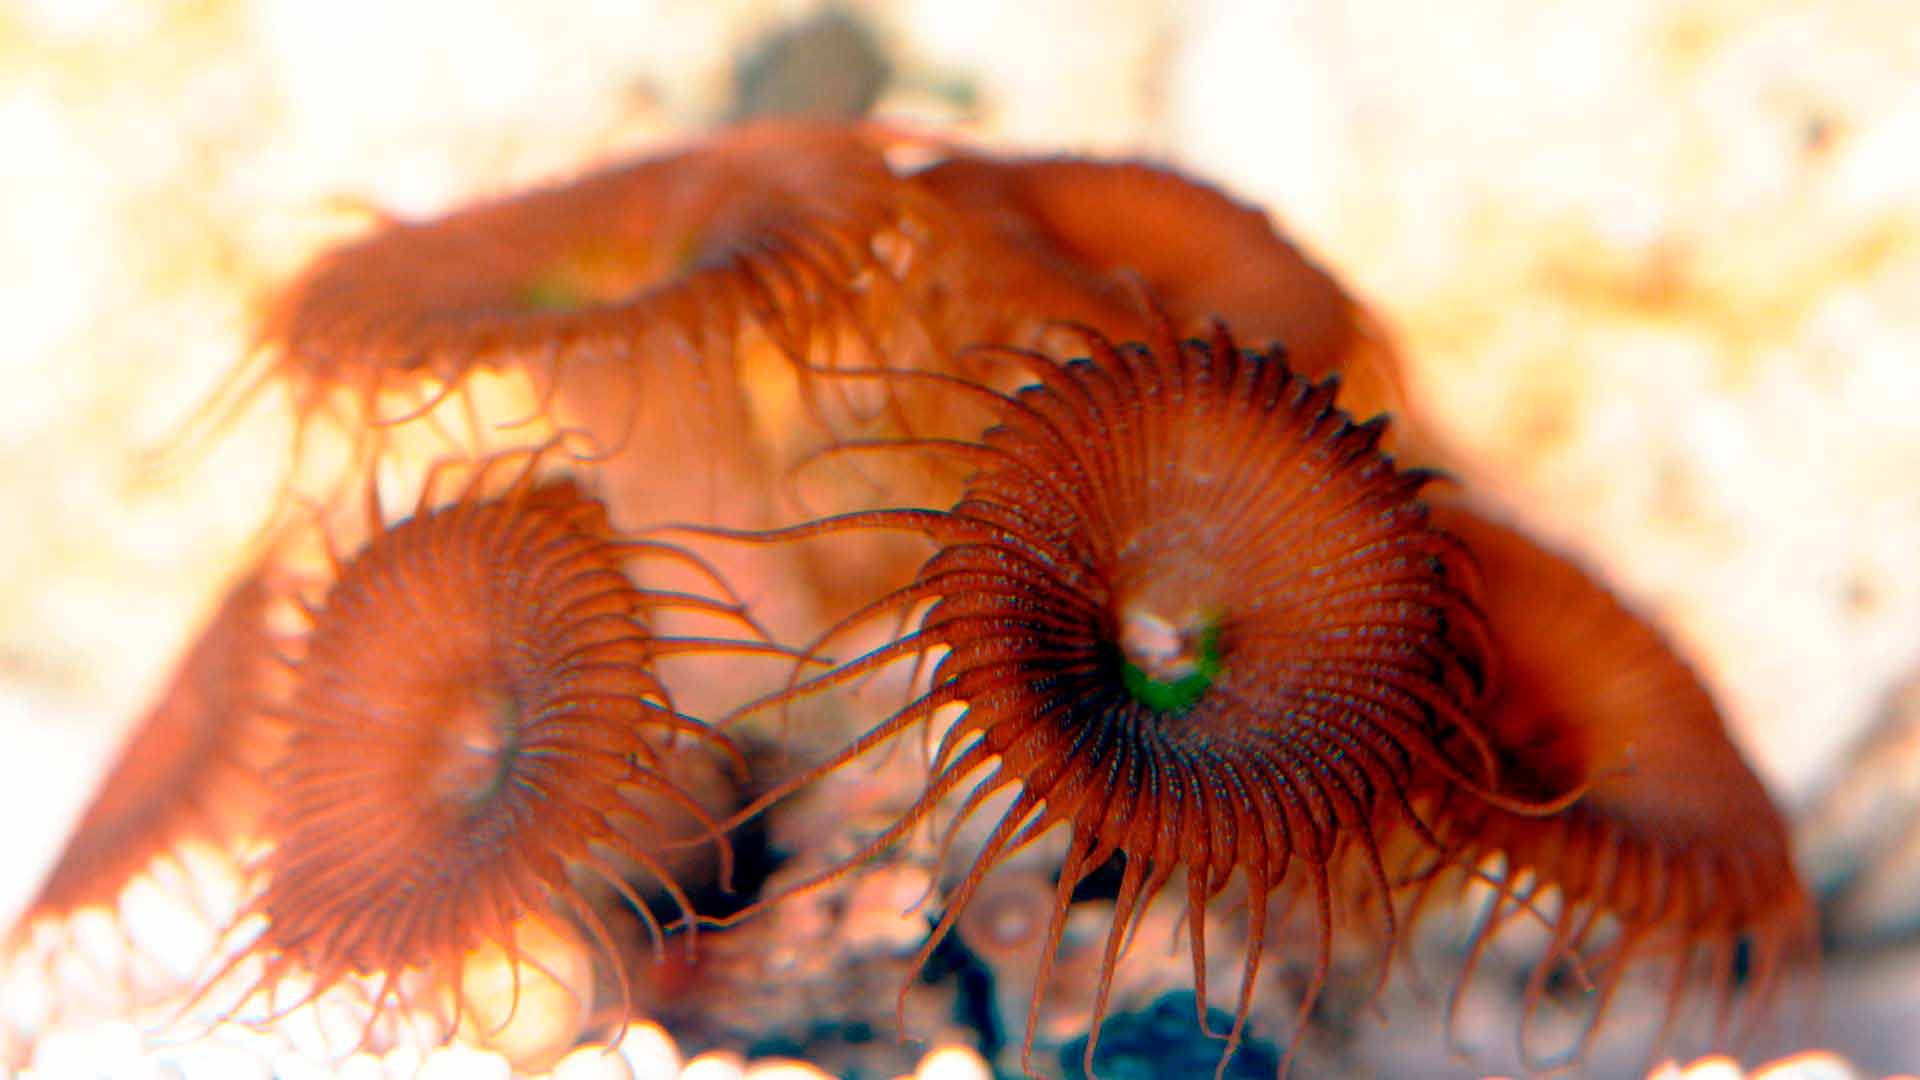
688, 568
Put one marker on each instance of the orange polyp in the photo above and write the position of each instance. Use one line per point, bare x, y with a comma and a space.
441, 296
178, 809
622, 297
673, 307
1674, 840
475, 732
1072, 238
190, 771
1198, 475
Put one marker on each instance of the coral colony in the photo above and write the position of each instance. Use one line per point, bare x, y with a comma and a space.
813, 524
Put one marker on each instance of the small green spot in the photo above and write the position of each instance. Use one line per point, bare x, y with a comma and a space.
552, 292
1176, 696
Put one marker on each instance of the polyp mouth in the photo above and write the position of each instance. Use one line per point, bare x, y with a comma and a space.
1169, 664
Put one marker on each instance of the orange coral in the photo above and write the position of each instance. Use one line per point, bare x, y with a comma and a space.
1673, 850
1196, 618
188, 770
1190, 607
189, 779
474, 724
1201, 255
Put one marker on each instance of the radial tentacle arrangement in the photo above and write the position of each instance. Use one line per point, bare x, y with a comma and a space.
600, 269
1673, 863
639, 301
476, 741
1195, 617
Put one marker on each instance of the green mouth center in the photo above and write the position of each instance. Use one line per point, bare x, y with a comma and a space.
1168, 667
604, 272
552, 293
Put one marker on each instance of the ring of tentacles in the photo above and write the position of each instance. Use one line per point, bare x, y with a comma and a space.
474, 730
1196, 618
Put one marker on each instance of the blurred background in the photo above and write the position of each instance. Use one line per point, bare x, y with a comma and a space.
1654, 266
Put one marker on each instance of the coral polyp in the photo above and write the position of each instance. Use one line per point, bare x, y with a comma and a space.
475, 733
1196, 619
1201, 254
1673, 861
189, 770
657, 254
187, 785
